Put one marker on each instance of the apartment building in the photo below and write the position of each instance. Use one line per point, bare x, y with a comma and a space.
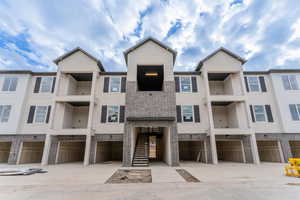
82, 113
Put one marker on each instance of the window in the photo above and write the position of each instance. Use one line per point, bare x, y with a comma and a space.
185, 84
253, 84
295, 111
290, 82
10, 84
115, 84
187, 113
40, 114
113, 114
260, 113
4, 112
46, 84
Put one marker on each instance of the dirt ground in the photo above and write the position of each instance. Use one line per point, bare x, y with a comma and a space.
226, 181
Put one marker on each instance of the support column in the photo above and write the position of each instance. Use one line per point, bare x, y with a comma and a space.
127, 145
174, 146
286, 149
46, 151
87, 152
214, 155
254, 149
14, 151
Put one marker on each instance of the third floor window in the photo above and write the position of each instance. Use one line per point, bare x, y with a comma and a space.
115, 84
185, 84
290, 82
10, 84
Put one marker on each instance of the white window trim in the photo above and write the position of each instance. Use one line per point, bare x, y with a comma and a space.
193, 115
265, 114
259, 86
289, 81
1, 114
44, 122
191, 85
42, 81
9, 91
108, 115
298, 112
120, 84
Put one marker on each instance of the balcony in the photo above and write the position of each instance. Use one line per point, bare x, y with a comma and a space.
230, 118
75, 84
225, 84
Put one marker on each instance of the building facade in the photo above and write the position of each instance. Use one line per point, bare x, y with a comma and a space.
81, 113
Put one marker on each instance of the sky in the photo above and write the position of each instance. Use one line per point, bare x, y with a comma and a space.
35, 32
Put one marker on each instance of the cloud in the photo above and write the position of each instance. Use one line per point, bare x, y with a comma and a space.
34, 33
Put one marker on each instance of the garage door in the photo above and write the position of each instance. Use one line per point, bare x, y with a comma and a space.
192, 151
230, 151
32, 152
70, 152
295, 148
109, 151
269, 151
4, 151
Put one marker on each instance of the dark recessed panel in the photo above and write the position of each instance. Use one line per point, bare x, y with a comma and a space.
150, 78
217, 76
82, 76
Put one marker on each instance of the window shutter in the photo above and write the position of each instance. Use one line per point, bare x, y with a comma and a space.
123, 84
31, 114
122, 114
196, 113
48, 114
252, 113
178, 113
269, 113
106, 84
246, 83
194, 84
177, 84
294, 113
103, 114
262, 84
37, 85
53, 84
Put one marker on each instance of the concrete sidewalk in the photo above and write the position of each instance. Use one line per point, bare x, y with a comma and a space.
226, 181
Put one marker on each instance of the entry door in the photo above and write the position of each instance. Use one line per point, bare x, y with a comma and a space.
152, 147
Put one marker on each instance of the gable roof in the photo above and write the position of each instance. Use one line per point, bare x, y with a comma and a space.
242, 60
153, 40
57, 60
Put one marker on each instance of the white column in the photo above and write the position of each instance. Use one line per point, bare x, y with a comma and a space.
46, 150
88, 142
213, 146
254, 149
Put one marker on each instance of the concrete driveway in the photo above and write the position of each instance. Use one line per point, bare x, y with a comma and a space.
223, 181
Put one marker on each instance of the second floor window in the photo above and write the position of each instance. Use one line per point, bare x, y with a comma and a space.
295, 111
4, 112
290, 82
113, 114
40, 114
260, 114
115, 84
185, 84
187, 113
10, 84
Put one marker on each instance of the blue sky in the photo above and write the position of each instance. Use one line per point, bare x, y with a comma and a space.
33, 33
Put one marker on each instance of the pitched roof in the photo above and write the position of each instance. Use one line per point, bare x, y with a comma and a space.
153, 40
242, 60
57, 60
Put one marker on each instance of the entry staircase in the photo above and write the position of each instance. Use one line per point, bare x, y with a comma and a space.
141, 157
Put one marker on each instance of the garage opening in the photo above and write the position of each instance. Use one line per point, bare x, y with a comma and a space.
4, 151
192, 151
70, 151
32, 152
295, 148
269, 151
109, 151
231, 151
